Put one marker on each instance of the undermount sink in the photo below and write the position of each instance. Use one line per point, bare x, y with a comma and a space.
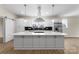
38, 33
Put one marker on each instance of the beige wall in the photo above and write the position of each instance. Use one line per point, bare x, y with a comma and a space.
4, 13
73, 27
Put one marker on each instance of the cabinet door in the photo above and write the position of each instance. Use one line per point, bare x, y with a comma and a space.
27, 41
36, 42
50, 42
60, 42
42, 41
18, 41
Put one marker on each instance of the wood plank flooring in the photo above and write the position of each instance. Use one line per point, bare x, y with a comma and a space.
7, 48
71, 47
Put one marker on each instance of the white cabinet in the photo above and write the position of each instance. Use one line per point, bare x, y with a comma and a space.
50, 42
59, 41
42, 41
36, 40
27, 42
18, 41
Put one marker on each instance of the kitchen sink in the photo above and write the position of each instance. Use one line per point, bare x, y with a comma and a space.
38, 33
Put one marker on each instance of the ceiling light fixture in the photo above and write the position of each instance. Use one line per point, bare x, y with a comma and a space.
25, 9
25, 13
53, 9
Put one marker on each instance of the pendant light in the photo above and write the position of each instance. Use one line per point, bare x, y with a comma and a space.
25, 9
39, 18
52, 9
25, 13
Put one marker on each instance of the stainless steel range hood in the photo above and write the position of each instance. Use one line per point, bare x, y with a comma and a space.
39, 18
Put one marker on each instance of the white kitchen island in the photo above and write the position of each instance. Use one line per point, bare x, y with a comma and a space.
33, 41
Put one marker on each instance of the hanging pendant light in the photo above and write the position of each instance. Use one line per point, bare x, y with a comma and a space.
25, 9
39, 18
25, 13
53, 21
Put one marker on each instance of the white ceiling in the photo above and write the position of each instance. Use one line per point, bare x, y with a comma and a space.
46, 9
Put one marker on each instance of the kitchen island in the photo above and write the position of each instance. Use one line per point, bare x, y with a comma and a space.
38, 40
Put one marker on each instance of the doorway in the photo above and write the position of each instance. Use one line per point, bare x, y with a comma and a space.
1, 30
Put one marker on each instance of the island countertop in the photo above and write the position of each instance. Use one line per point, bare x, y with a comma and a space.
25, 33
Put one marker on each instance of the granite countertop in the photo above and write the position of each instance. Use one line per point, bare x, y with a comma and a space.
45, 33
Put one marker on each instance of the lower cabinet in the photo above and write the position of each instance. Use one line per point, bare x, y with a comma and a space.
36, 40
27, 41
39, 41
59, 41
18, 41
42, 41
50, 42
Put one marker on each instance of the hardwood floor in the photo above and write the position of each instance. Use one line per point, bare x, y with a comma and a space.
7, 48
71, 47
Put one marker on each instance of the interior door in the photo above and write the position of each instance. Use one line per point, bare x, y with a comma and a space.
9, 29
